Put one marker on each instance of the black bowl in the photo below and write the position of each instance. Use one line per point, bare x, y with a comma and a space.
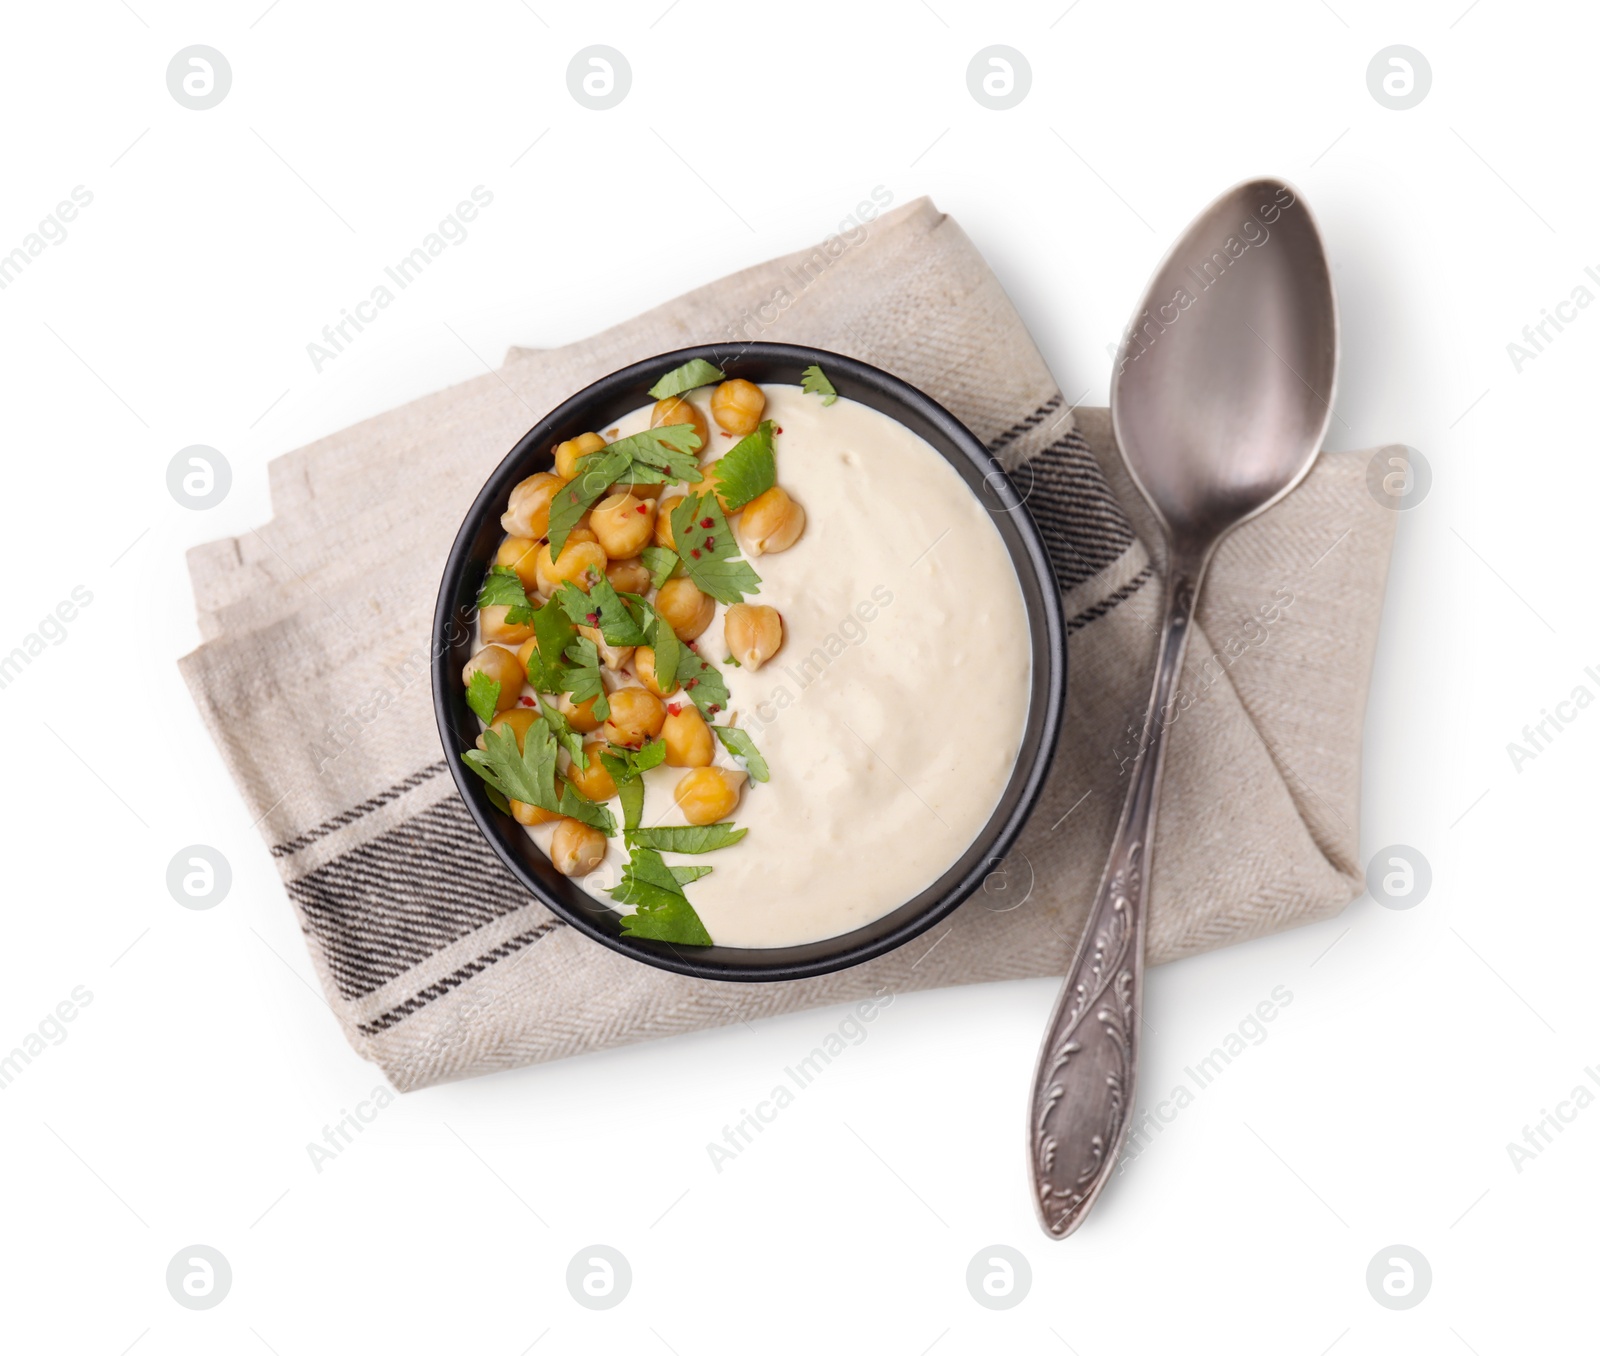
598, 407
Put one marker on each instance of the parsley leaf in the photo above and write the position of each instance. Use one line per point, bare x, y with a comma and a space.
703, 684
596, 474
747, 468
739, 743
530, 775
661, 911
654, 457
661, 562
706, 547
813, 382
483, 696
659, 638
695, 372
526, 774
668, 448
552, 633
583, 675
565, 735
502, 588
627, 768
602, 607
691, 838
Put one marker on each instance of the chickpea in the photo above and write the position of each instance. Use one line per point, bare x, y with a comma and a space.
576, 849
707, 794
580, 715
636, 715
494, 627
664, 520
517, 720
520, 554
771, 522
753, 632
628, 576
644, 664
529, 815
581, 563
525, 652
688, 739
684, 608
679, 410
568, 453
623, 524
737, 406
612, 656
528, 512
502, 666
593, 782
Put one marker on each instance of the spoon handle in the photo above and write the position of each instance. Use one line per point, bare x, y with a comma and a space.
1083, 1086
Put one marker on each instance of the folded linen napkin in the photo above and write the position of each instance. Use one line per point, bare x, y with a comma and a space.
313, 679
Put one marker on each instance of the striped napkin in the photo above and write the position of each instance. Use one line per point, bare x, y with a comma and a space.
313, 680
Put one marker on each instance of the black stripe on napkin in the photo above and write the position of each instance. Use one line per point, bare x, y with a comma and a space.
1083, 525
350, 816
383, 907
1111, 600
423, 997
1023, 425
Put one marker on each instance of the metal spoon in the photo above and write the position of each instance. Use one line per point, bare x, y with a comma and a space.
1222, 393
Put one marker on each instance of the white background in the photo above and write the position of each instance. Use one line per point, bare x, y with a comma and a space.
178, 310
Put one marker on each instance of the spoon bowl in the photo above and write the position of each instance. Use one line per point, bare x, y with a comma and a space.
1224, 386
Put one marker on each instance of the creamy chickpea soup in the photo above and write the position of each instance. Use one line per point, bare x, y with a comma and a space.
752, 663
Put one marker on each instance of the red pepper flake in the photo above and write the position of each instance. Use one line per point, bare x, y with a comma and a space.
690, 684
674, 710
713, 708
643, 508
527, 701
727, 435
593, 618
695, 552
691, 644
779, 429
705, 522
711, 543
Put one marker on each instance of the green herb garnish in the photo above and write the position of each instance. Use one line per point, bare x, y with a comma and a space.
747, 469
583, 675
654, 457
664, 646
502, 588
694, 373
600, 607
708, 551
627, 768
661, 562
552, 633
565, 735
655, 890
483, 696
530, 775
814, 382
739, 743
703, 684
690, 838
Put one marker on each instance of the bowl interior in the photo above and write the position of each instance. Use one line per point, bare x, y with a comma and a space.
599, 406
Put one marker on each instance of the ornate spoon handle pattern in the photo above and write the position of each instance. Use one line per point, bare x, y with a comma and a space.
1084, 1085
